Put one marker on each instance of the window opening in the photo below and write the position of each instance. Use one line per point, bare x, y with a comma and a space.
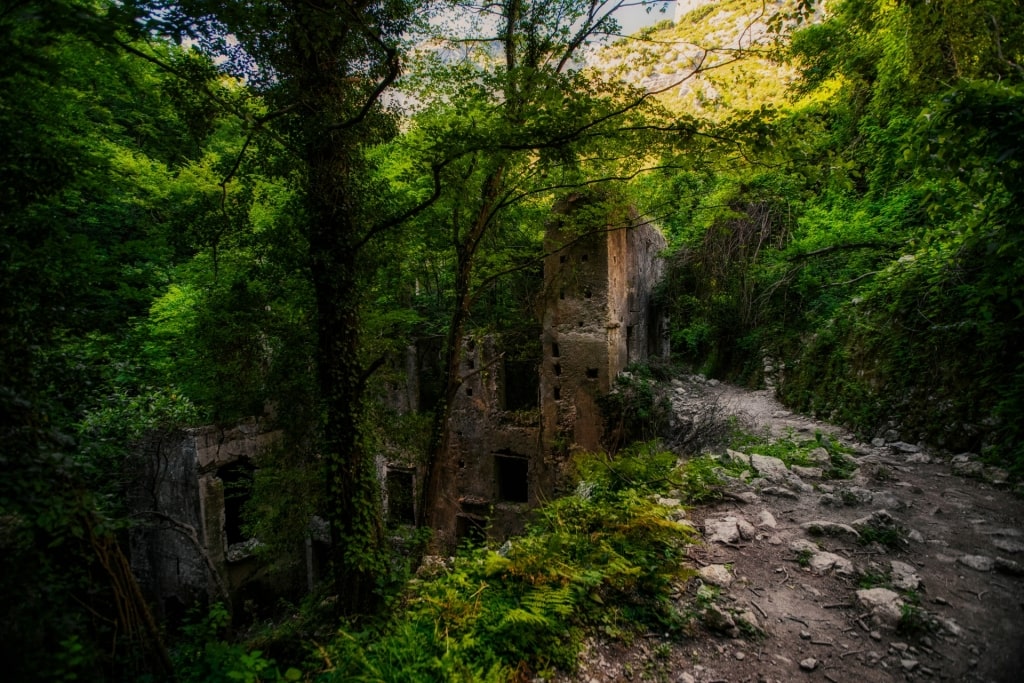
512, 477
558, 369
237, 478
469, 391
554, 349
592, 373
401, 494
557, 393
587, 293
470, 363
561, 259
521, 384
584, 258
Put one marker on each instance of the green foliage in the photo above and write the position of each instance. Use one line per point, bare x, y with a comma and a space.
893, 291
701, 481
204, 654
601, 559
915, 620
634, 409
793, 450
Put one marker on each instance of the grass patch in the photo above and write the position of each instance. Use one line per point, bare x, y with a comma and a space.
794, 450
889, 536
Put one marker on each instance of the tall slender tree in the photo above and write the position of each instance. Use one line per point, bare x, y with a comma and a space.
323, 70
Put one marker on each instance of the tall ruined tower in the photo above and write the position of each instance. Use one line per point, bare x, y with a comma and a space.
598, 317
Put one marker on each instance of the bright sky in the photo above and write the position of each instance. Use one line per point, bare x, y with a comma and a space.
635, 18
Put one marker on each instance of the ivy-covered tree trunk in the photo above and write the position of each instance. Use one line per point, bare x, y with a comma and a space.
440, 505
353, 495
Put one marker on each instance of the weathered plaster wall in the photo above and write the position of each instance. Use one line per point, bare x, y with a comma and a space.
598, 317
493, 446
179, 549
647, 334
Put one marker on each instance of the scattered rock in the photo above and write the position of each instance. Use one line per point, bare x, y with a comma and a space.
746, 529
748, 497
820, 456
748, 620
908, 664
779, 491
669, 502
1011, 533
966, 466
885, 605
904, 577
821, 527
809, 664
721, 530
979, 563
915, 536
879, 520
769, 468
951, 627
823, 562
996, 476
855, 495
808, 472
904, 447
718, 620
1007, 546
886, 499
716, 575
1009, 567
767, 520
919, 459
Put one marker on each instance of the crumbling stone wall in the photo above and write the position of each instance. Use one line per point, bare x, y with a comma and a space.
598, 315
180, 549
499, 472
598, 318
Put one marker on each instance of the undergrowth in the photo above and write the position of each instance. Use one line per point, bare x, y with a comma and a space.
601, 560
793, 450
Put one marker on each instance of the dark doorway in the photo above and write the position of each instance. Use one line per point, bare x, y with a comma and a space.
237, 478
470, 530
513, 483
401, 497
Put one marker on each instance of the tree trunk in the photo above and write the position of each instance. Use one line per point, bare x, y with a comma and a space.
440, 505
353, 495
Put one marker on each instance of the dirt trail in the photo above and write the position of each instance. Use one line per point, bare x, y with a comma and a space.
906, 571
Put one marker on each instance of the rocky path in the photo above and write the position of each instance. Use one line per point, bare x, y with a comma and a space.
909, 570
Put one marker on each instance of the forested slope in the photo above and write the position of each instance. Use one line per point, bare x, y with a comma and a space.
867, 257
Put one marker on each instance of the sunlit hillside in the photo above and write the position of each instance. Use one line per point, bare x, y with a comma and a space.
716, 59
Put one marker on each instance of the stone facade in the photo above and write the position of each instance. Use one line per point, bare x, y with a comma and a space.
187, 494
514, 425
598, 317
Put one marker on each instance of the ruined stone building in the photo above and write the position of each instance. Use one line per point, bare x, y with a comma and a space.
189, 544
514, 427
